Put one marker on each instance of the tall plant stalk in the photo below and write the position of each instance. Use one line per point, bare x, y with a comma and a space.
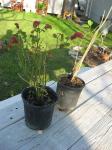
79, 64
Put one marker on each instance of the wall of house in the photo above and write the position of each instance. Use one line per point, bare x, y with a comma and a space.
55, 6
98, 7
5, 3
29, 5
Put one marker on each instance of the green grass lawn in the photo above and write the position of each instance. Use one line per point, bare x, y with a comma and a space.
58, 63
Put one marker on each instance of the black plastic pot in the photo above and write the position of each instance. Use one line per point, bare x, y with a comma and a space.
68, 96
39, 117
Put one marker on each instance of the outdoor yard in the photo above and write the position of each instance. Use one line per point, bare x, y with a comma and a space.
58, 62
55, 74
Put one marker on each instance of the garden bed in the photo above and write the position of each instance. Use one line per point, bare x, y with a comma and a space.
97, 55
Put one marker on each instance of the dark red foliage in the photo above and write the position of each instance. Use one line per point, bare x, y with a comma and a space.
13, 40
77, 35
48, 26
36, 24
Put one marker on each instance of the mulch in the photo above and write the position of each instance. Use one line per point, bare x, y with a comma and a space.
97, 56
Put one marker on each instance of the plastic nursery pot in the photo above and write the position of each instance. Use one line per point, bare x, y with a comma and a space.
39, 11
38, 117
68, 96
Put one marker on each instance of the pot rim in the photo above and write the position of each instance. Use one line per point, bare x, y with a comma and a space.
72, 88
36, 106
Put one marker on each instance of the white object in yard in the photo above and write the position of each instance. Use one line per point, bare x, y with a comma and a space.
77, 48
76, 6
5, 3
18, 1
73, 52
29, 5
55, 6
106, 27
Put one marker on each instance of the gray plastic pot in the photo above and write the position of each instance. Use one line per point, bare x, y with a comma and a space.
68, 96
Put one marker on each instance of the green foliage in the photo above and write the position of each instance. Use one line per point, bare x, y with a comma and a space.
40, 5
85, 26
61, 40
90, 23
31, 59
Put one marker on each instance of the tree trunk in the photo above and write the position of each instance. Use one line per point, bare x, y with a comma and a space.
73, 7
63, 8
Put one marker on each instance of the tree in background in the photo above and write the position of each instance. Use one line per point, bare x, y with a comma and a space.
63, 8
73, 8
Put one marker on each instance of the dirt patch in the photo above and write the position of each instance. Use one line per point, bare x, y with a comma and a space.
97, 55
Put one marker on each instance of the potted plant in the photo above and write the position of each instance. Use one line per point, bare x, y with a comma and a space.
38, 99
40, 7
69, 86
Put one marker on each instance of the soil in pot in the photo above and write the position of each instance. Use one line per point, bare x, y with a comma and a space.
38, 110
68, 92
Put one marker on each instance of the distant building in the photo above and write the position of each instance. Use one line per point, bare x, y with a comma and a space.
96, 8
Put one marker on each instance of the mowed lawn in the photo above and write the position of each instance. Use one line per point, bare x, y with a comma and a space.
58, 62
